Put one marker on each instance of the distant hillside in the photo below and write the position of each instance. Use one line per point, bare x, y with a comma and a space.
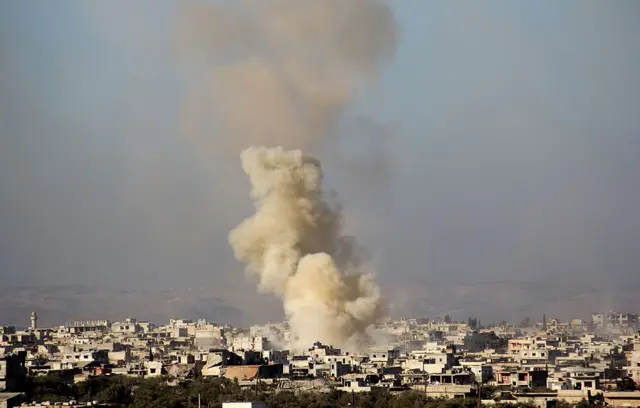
510, 300
56, 305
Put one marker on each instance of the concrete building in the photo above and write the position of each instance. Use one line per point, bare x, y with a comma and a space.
299, 366
447, 390
82, 326
383, 357
129, 326
433, 363
244, 405
622, 399
483, 372
522, 378
452, 377
99, 356
476, 342
7, 330
217, 360
253, 372
633, 369
10, 399
12, 371
208, 336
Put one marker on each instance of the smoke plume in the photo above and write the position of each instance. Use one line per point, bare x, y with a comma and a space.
293, 243
278, 72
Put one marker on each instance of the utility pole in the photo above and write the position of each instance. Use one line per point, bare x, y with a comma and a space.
424, 379
198, 400
257, 383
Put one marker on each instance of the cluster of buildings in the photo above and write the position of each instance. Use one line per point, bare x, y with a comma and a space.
546, 362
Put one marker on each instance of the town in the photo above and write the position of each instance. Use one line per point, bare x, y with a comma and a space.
536, 363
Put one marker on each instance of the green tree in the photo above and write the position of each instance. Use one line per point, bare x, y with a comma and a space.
50, 388
626, 384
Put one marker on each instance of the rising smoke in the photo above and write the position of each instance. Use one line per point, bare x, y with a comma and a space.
293, 243
282, 73
278, 72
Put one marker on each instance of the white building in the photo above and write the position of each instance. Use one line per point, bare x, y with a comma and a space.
129, 326
244, 405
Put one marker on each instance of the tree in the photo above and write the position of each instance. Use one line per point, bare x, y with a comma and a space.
50, 388
626, 384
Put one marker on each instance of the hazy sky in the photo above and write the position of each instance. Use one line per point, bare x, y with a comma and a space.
501, 142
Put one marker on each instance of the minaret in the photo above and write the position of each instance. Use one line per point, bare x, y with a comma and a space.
544, 322
34, 321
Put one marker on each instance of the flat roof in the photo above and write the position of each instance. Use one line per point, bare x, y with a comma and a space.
622, 394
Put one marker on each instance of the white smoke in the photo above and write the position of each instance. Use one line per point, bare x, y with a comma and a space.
293, 243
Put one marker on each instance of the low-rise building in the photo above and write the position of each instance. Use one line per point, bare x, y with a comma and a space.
522, 378
12, 371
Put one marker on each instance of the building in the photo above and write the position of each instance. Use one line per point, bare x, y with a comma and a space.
476, 342
100, 356
447, 390
208, 336
522, 378
452, 377
129, 326
482, 372
10, 399
82, 326
383, 357
12, 371
244, 405
7, 330
614, 318
633, 369
253, 372
433, 363
622, 399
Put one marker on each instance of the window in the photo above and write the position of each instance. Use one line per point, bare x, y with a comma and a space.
374, 356
153, 371
588, 384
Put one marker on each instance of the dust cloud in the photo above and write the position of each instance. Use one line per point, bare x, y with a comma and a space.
294, 244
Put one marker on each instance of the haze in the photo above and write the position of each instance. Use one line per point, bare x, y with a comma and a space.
501, 142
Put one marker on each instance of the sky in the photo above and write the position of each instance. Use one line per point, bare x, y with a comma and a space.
501, 141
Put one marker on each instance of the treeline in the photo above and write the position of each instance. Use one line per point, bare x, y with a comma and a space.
125, 392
